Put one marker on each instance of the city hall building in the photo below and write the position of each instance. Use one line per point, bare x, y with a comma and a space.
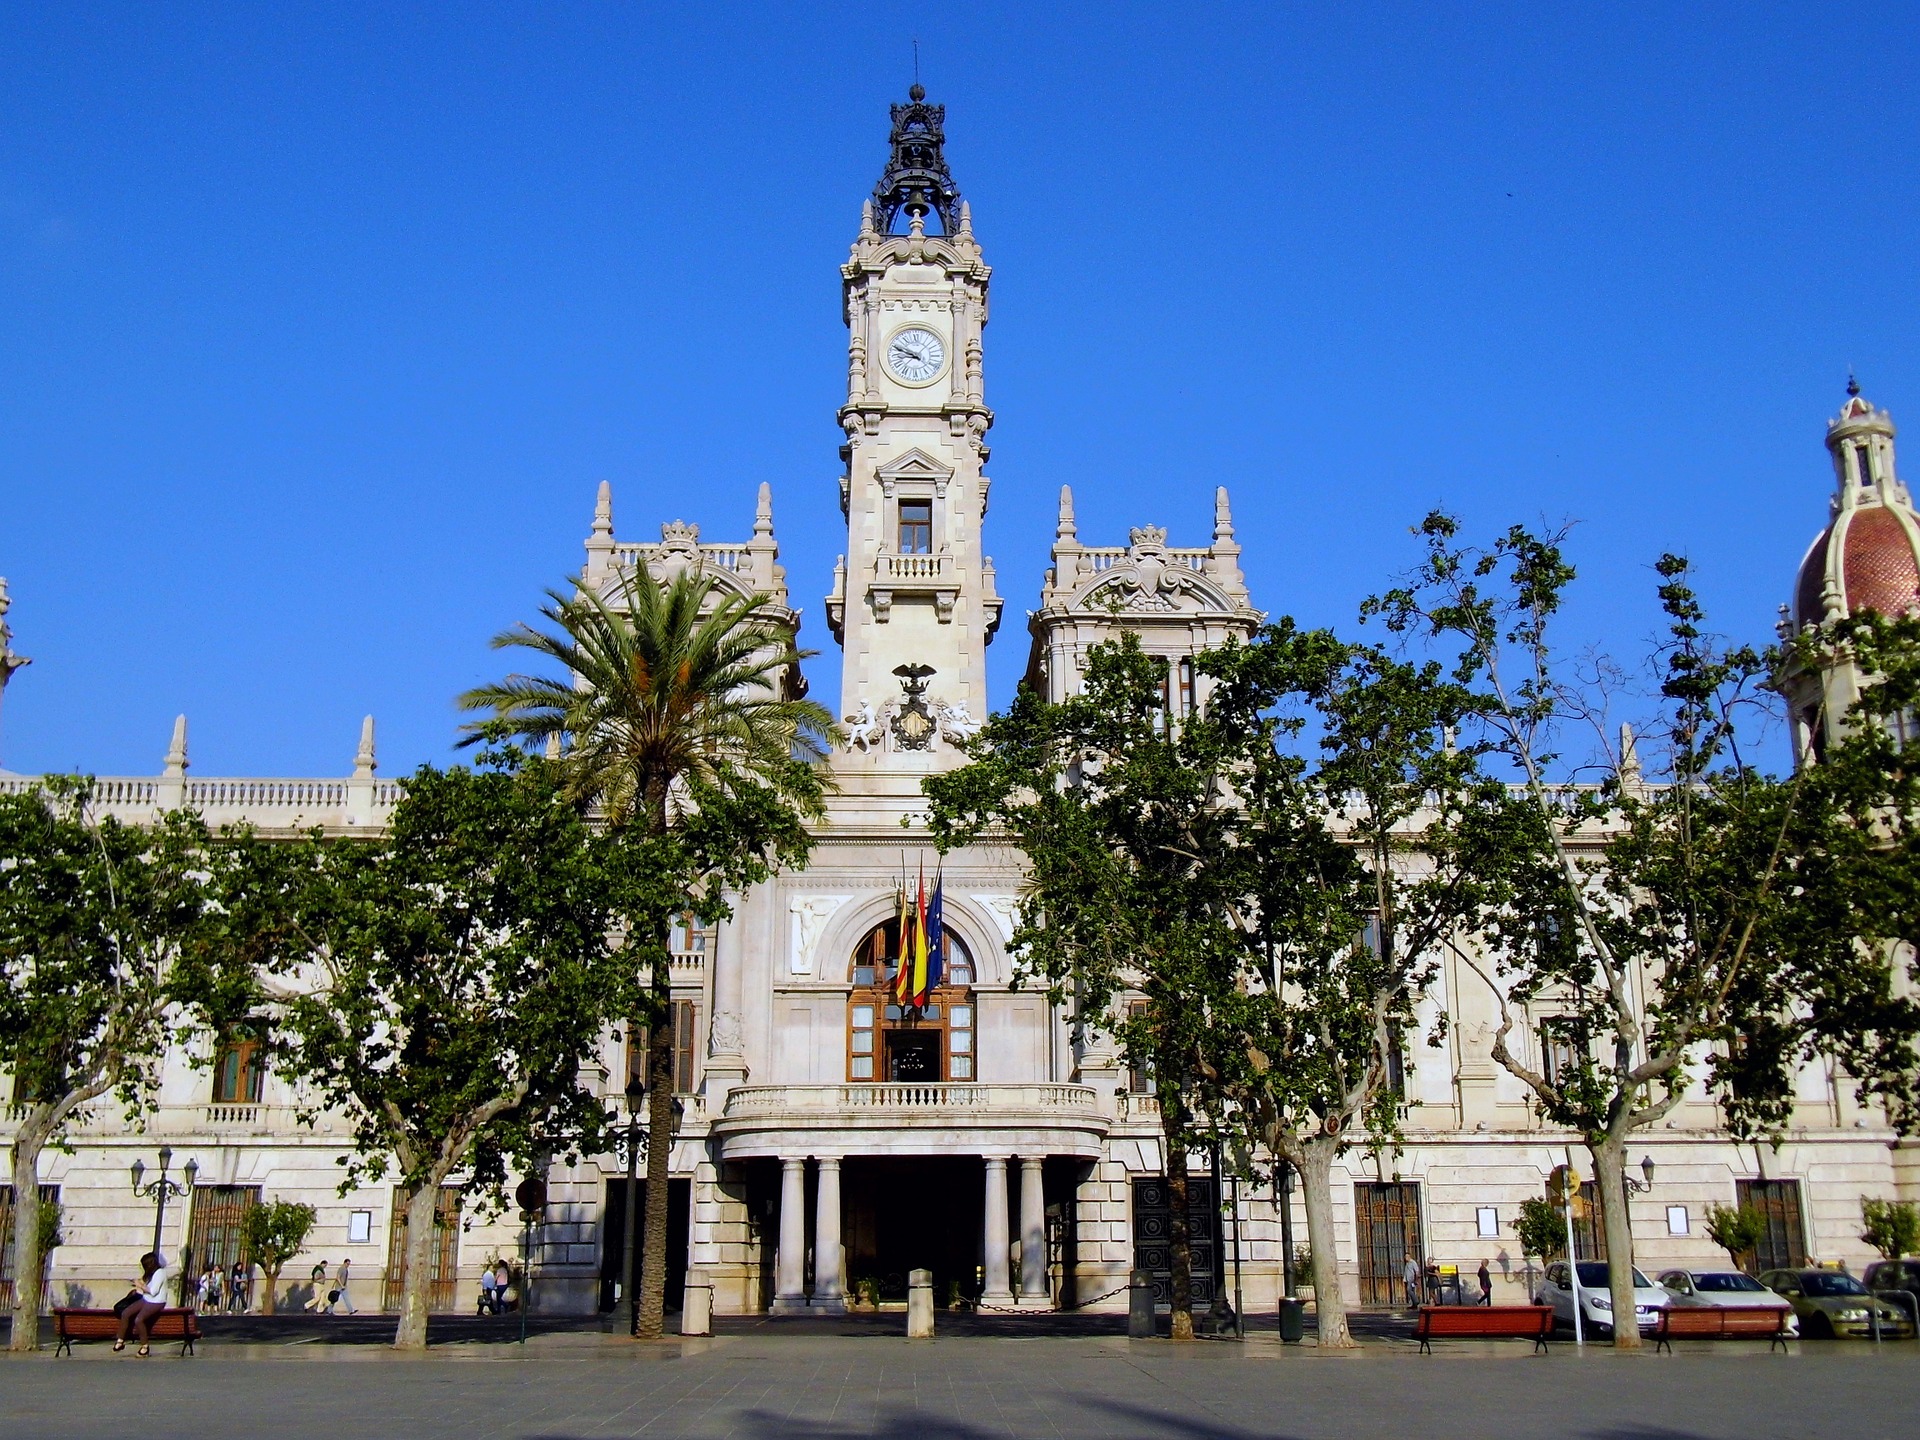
830, 1141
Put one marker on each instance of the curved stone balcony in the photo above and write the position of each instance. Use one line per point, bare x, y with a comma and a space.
777, 1121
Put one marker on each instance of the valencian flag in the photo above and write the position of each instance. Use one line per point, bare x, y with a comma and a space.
903, 962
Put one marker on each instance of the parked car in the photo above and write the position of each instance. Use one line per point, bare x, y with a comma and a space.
1831, 1303
1898, 1281
1724, 1287
1596, 1301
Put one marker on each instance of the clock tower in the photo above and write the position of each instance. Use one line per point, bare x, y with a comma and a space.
913, 602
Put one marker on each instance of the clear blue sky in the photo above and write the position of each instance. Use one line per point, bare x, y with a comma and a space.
320, 324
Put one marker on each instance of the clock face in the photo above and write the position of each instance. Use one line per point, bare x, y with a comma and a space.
916, 355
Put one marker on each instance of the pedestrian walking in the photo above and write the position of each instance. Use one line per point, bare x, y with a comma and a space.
489, 1293
317, 1281
342, 1296
144, 1303
1486, 1284
239, 1283
1410, 1277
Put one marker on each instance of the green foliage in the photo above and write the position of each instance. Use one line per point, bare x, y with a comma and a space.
274, 1231
1710, 921
1890, 1226
51, 1235
1737, 1230
455, 973
109, 936
679, 705
1541, 1228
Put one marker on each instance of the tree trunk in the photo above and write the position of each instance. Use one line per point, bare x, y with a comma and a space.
416, 1287
271, 1275
27, 1145
1610, 1179
653, 1234
1316, 1194
1179, 1241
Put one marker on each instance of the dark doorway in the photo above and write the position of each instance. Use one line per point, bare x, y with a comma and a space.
1387, 1229
913, 1055
916, 1214
1153, 1238
613, 1240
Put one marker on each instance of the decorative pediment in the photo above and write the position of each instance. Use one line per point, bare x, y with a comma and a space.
914, 466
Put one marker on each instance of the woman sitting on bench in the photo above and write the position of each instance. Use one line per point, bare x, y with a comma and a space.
144, 1304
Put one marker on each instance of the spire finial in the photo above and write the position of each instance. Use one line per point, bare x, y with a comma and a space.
364, 763
177, 749
1630, 774
1064, 528
916, 179
1222, 515
1853, 385
603, 510
763, 512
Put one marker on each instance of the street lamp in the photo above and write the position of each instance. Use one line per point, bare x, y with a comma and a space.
162, 1189
1640, 1187
636, 1101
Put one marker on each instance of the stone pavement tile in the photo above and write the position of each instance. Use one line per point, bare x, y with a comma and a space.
835, 1389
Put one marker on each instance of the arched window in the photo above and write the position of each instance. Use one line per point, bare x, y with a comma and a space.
892, 1042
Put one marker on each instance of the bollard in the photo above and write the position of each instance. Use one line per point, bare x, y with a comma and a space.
1139, 1306
920, 1305
696, 1310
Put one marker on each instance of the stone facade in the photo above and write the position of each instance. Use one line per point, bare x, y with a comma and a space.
815, 1125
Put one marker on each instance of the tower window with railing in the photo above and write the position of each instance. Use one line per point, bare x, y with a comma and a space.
916, 527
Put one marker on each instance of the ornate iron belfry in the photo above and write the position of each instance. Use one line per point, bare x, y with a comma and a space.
916, 179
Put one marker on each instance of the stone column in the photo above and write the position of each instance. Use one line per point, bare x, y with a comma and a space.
1033, 1235
789, 1266
826, 1239
998, 1290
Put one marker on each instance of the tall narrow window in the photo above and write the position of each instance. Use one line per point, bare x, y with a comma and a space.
1140, 1074
1863, 457
686, 1024
237, 1067
1186, 685
916, 527
1561, 1050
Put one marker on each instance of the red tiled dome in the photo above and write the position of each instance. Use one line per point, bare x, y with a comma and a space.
1881, 570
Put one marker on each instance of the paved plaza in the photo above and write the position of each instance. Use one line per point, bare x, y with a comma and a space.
576, 1386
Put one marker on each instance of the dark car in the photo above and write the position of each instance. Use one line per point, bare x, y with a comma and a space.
1831, 1303
1895, 1281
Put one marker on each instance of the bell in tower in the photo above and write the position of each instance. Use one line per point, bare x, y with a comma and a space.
913, 589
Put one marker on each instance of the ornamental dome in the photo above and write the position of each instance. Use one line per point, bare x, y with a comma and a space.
1868, 557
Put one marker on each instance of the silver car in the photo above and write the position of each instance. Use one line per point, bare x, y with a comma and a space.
1596, 1301
1725, 1287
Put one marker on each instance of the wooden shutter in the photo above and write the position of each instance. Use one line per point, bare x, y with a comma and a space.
1783, 1244
684, 1015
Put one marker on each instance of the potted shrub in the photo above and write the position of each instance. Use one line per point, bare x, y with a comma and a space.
1303, 1271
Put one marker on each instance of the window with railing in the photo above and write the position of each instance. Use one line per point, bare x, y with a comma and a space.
239, 1067
689, 938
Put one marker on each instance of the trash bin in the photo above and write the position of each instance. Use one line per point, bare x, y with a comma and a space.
1293, 1320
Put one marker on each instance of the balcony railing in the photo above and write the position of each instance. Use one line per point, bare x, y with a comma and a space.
784, 1099
893, 569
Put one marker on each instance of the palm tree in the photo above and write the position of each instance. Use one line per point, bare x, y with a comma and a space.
679, 691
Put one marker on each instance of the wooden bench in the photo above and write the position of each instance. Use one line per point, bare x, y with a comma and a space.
72, 1325
1484, 1322
1720, 1321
